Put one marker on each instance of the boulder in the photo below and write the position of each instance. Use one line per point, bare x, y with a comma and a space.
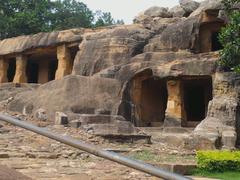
206, 5
177, 11
229, 139
225, 109
189, 5
180, 35
76, 94
156, 11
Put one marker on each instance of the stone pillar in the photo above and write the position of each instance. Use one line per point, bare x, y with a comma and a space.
3, 70
43, 71
64, 62
174, 105
21, 66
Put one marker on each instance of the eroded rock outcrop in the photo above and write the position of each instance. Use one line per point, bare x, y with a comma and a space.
222, 119
160, 71
74, 94
111, 47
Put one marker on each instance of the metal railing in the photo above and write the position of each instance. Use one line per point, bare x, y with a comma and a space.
135, 164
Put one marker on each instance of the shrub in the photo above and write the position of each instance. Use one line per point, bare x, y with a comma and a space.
230, 38
218, 161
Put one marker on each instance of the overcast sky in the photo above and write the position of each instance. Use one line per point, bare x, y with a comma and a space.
127, 9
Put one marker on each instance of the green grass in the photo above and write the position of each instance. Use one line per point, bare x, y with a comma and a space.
223, 176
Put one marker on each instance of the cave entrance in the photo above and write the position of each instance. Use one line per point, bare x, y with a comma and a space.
11, 69
196, 95
216, 45
208, 36
32, 71
52, 68
153, 102
148, 97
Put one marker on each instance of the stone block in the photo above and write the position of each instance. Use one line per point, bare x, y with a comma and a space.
229, 138
75, 123
61, 118
102, 111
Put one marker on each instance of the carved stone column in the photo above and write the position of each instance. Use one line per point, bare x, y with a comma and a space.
174, 105
64, 62
3, 70
21, 66
43, 71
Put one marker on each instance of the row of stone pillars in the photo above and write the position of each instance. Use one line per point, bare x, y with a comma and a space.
64, 67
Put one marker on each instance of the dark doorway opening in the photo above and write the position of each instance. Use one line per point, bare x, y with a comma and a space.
216, 45
153, 102
53, 65
32, 71
196, 95
11, 70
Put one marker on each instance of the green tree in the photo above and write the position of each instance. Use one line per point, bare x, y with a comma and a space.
70, 14
20, 17
105, 19
23, 17
230, 38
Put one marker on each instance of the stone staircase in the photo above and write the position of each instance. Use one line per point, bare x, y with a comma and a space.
111, 127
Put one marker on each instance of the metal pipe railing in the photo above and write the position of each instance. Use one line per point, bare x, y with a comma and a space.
138, 165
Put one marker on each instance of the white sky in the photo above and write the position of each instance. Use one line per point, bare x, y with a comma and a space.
126, 9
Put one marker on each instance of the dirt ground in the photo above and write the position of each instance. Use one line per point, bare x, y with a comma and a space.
44, 159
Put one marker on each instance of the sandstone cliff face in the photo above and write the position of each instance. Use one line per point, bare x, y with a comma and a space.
160, 55
111, 47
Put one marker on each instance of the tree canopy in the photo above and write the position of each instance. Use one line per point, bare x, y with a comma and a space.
23, 17
230, 38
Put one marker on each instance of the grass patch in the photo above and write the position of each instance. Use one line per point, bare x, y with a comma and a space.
155, 157
144, 155
229, 175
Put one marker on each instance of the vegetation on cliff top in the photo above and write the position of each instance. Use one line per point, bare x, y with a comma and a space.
23, 17
230, 38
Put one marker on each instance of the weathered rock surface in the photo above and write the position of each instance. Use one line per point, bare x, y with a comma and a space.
9, 46
156, 11
72, 94
168, 64
177, 11
177, 36
221, 126
189, 5
108, 48
11, 174
214, 5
